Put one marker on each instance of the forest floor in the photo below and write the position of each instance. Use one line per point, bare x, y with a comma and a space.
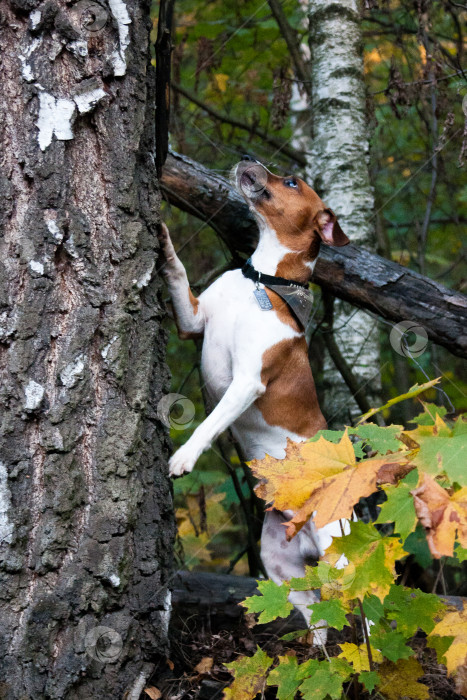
200, 647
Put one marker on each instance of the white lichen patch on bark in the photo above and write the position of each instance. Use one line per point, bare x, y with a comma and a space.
36, 266
72, 372
79, 48
34, 394
54, 230
114, 580
122, 18
26, 70
6, 528
145, 279
88, 100
105, 350
35, 18
55, 115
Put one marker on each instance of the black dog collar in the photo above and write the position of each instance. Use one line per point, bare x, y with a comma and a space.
252, 274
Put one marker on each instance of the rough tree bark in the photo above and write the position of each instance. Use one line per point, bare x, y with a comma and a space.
353, 274
338, 170
86, 521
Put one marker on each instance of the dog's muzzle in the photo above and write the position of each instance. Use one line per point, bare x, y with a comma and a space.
251, 179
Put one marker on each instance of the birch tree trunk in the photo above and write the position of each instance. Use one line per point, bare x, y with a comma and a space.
86, 521
338, 170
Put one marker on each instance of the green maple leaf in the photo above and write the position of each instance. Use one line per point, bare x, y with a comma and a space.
428, 417
250, 676
272, 603
399, 508
288, 675
412, 609
381, 439
417, 545
440, 645
341, 667
290, 636
392, 645
369, 679
373, 607
442, 449
371, 560
314, 577
330, 610
460, 553
321, 684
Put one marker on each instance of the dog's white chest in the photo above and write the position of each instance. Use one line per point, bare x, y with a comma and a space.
237, 333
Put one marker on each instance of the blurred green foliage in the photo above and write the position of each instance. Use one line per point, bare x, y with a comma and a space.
232, 57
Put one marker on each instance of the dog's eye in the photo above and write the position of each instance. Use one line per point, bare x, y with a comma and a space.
291, 182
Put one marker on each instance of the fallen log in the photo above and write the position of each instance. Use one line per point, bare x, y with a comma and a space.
364, 279
202, 594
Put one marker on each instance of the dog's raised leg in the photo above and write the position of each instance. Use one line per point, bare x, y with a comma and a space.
189, 315
244, 389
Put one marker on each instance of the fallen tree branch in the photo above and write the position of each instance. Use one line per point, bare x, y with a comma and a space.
351, 273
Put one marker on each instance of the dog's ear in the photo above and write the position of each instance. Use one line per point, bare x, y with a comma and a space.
327, 227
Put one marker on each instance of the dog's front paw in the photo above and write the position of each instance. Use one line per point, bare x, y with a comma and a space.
181, 462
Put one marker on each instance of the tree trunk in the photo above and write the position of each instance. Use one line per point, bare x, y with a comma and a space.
338, 171
86, 522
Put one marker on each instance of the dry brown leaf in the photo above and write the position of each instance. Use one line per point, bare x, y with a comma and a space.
443, 516
153, 692
205, 665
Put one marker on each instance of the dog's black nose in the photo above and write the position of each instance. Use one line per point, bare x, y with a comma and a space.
245, 156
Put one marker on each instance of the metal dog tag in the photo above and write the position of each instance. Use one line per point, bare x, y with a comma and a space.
263, 299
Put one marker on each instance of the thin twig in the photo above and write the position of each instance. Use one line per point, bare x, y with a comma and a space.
365, 634
290, 37
253, 130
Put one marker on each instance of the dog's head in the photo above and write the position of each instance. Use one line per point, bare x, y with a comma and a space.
290, 207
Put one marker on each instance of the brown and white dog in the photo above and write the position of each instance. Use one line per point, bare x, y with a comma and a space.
255, 362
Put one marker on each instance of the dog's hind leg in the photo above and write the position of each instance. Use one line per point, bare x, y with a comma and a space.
188, 311
285, 560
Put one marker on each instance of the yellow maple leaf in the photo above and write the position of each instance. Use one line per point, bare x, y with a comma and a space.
399, 680
454, 624
443, 516
290, 481
358, 656
323, 476
337, 495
